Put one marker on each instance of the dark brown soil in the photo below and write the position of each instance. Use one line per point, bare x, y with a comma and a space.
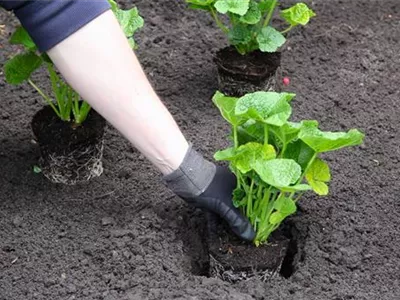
254, 66
69, 153
233, 260
60, 136
125, 236
241, 74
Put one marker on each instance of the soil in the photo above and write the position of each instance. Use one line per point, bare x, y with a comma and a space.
58, 135
252, 66
125, 236
233, 260
70, 153
241, 74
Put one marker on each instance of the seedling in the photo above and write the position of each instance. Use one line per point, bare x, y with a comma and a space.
248, 23
67, 103
275, 160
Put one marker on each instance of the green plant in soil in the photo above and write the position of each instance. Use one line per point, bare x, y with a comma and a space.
247, 23
66, 102
275, 160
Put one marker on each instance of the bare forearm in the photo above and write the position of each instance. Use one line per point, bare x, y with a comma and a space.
99, 64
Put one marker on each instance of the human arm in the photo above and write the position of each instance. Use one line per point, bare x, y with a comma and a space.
97, 61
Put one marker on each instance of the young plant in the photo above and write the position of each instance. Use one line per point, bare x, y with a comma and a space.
249, 22
67, 103
275, 160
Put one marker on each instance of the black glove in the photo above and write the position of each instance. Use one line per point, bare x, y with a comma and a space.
209, 187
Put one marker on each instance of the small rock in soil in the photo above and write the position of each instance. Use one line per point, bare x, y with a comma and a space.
106, 221
124, 173
17, 221
88, 251
120, 233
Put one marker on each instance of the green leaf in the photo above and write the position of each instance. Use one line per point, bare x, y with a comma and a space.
239, 198
251, 153
37, 169
251, 131
299, 152
253, 15
46, 58
321, 141
246, 156
270, 40
22, 37
265, 6
132, 43
114, 6
201, 4
268, 107
21, 66
130, 20
278, 172
239, 7
317, 176
226, 154
296, 188
287, 132
239, 34
290, 130
297, 14
276, 218
226, 106
285, 206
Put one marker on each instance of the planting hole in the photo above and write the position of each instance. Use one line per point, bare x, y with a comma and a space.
297, 233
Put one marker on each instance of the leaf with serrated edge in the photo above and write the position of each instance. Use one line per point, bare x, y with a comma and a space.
299, 14
278, 172
239, 7
317, 176
253, 15
21, 66
324, 141
226, 106
22, 37
268, 107
270, 40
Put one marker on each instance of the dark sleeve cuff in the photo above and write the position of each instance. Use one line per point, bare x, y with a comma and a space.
50, 22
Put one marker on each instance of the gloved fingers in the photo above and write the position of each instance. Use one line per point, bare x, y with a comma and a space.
239, 224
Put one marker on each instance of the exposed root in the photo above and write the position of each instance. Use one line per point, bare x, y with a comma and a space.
232, 276
74, 167
237, 88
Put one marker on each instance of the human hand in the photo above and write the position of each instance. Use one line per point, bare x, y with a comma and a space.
209, 187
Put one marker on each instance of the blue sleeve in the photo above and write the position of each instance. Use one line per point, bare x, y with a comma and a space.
49, 22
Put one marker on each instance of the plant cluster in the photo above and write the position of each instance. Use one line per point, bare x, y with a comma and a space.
275, 160
249, 22
67, 103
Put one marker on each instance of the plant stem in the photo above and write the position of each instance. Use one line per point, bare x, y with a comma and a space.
249, 206
266, 137
283, 150
298, 197
287, 29
305, 172
308, 167
236, 145
265, 202
48, 100
235, 137
218, 21
270, 13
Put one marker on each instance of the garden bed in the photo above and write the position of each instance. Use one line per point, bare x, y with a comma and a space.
125, 236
